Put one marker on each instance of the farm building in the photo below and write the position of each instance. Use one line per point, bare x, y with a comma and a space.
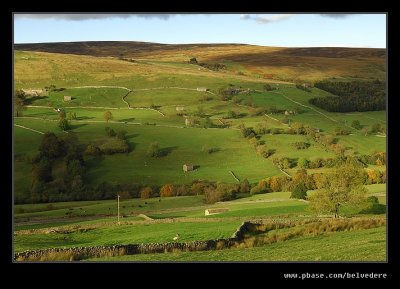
288, 112
188, 168
67, 97
188, 121
33, 92
204, 89
180, 108
215, 211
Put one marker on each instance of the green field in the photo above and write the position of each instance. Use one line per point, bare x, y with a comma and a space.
365, 245
143, 96
128, 234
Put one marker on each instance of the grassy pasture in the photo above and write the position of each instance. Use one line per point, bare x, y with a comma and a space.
363, 245
128, 234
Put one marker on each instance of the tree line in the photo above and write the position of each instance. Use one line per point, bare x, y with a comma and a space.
351, 96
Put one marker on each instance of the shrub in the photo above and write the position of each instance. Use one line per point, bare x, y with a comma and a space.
209, 150
261, 188
154, 150
356, 124
300, 145
63, 124
303, 163
114, 145
299, 192
124, 195
92, 150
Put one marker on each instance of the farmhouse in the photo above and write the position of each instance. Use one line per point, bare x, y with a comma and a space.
202, 89
215, 211
188, 167
67, 97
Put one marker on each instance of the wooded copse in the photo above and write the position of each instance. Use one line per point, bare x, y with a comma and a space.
352, 96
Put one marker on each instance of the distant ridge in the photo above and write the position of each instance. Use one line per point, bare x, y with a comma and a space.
135, 48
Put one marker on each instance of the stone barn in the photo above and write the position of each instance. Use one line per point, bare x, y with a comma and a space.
215, 211
188, 167
188, 121
33, 92
204, 89
67, 98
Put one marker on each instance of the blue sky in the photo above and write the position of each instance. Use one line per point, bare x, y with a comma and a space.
289, 30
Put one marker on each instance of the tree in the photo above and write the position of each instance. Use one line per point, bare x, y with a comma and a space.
63, 124
261, 188
343, 187
124, 195
356, 124
121, 134
75, 168
108, 115
92, 150
146, 193
110, 132
268, 87
193, 60
244, 186
167, 190
154, 150
303, 163
19, 102
50, 146
207, 122
77, 184
200, 111
41, 171
299, 192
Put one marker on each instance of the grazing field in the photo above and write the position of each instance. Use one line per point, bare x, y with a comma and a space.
365, 245
127, 234
232, 124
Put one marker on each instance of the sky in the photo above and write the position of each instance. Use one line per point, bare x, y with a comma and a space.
286, 30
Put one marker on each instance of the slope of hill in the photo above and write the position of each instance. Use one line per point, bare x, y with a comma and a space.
291, 64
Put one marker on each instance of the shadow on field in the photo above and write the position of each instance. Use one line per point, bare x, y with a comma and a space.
32, 99
166, 151
375, 209
169, 217
84, 117
43, 114
75, 126
129, 136
127, 119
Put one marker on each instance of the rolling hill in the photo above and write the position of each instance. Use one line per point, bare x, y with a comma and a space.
279, 63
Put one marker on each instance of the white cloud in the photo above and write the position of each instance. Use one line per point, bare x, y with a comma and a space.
269, 18
266, 18
337, 16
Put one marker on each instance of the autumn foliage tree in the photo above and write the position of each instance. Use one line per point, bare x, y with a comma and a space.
146, 193
167, 190
108, 116
343, 187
